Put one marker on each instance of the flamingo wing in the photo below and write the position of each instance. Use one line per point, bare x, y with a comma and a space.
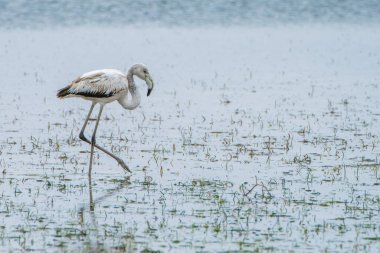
99, 83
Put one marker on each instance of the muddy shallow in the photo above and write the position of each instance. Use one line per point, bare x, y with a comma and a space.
253, 139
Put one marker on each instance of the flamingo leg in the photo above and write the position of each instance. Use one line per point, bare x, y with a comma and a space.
93, 139
83, 138
81, 134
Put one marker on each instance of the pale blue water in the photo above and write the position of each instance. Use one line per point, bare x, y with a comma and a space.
25, 13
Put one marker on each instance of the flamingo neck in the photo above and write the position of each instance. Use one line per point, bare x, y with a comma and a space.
132, 103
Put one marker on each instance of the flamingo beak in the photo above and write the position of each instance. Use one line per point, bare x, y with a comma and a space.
150, 83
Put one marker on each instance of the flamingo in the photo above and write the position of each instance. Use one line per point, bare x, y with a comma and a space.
103, 87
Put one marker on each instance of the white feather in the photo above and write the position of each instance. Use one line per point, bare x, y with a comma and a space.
106, 81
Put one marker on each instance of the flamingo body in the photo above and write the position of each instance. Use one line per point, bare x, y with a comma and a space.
101, 86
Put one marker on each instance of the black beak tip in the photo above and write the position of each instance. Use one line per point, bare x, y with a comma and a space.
149, 91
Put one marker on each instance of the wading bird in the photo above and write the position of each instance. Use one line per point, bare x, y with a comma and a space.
105, 86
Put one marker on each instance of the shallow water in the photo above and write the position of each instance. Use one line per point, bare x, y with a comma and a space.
31, 14
253, 139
